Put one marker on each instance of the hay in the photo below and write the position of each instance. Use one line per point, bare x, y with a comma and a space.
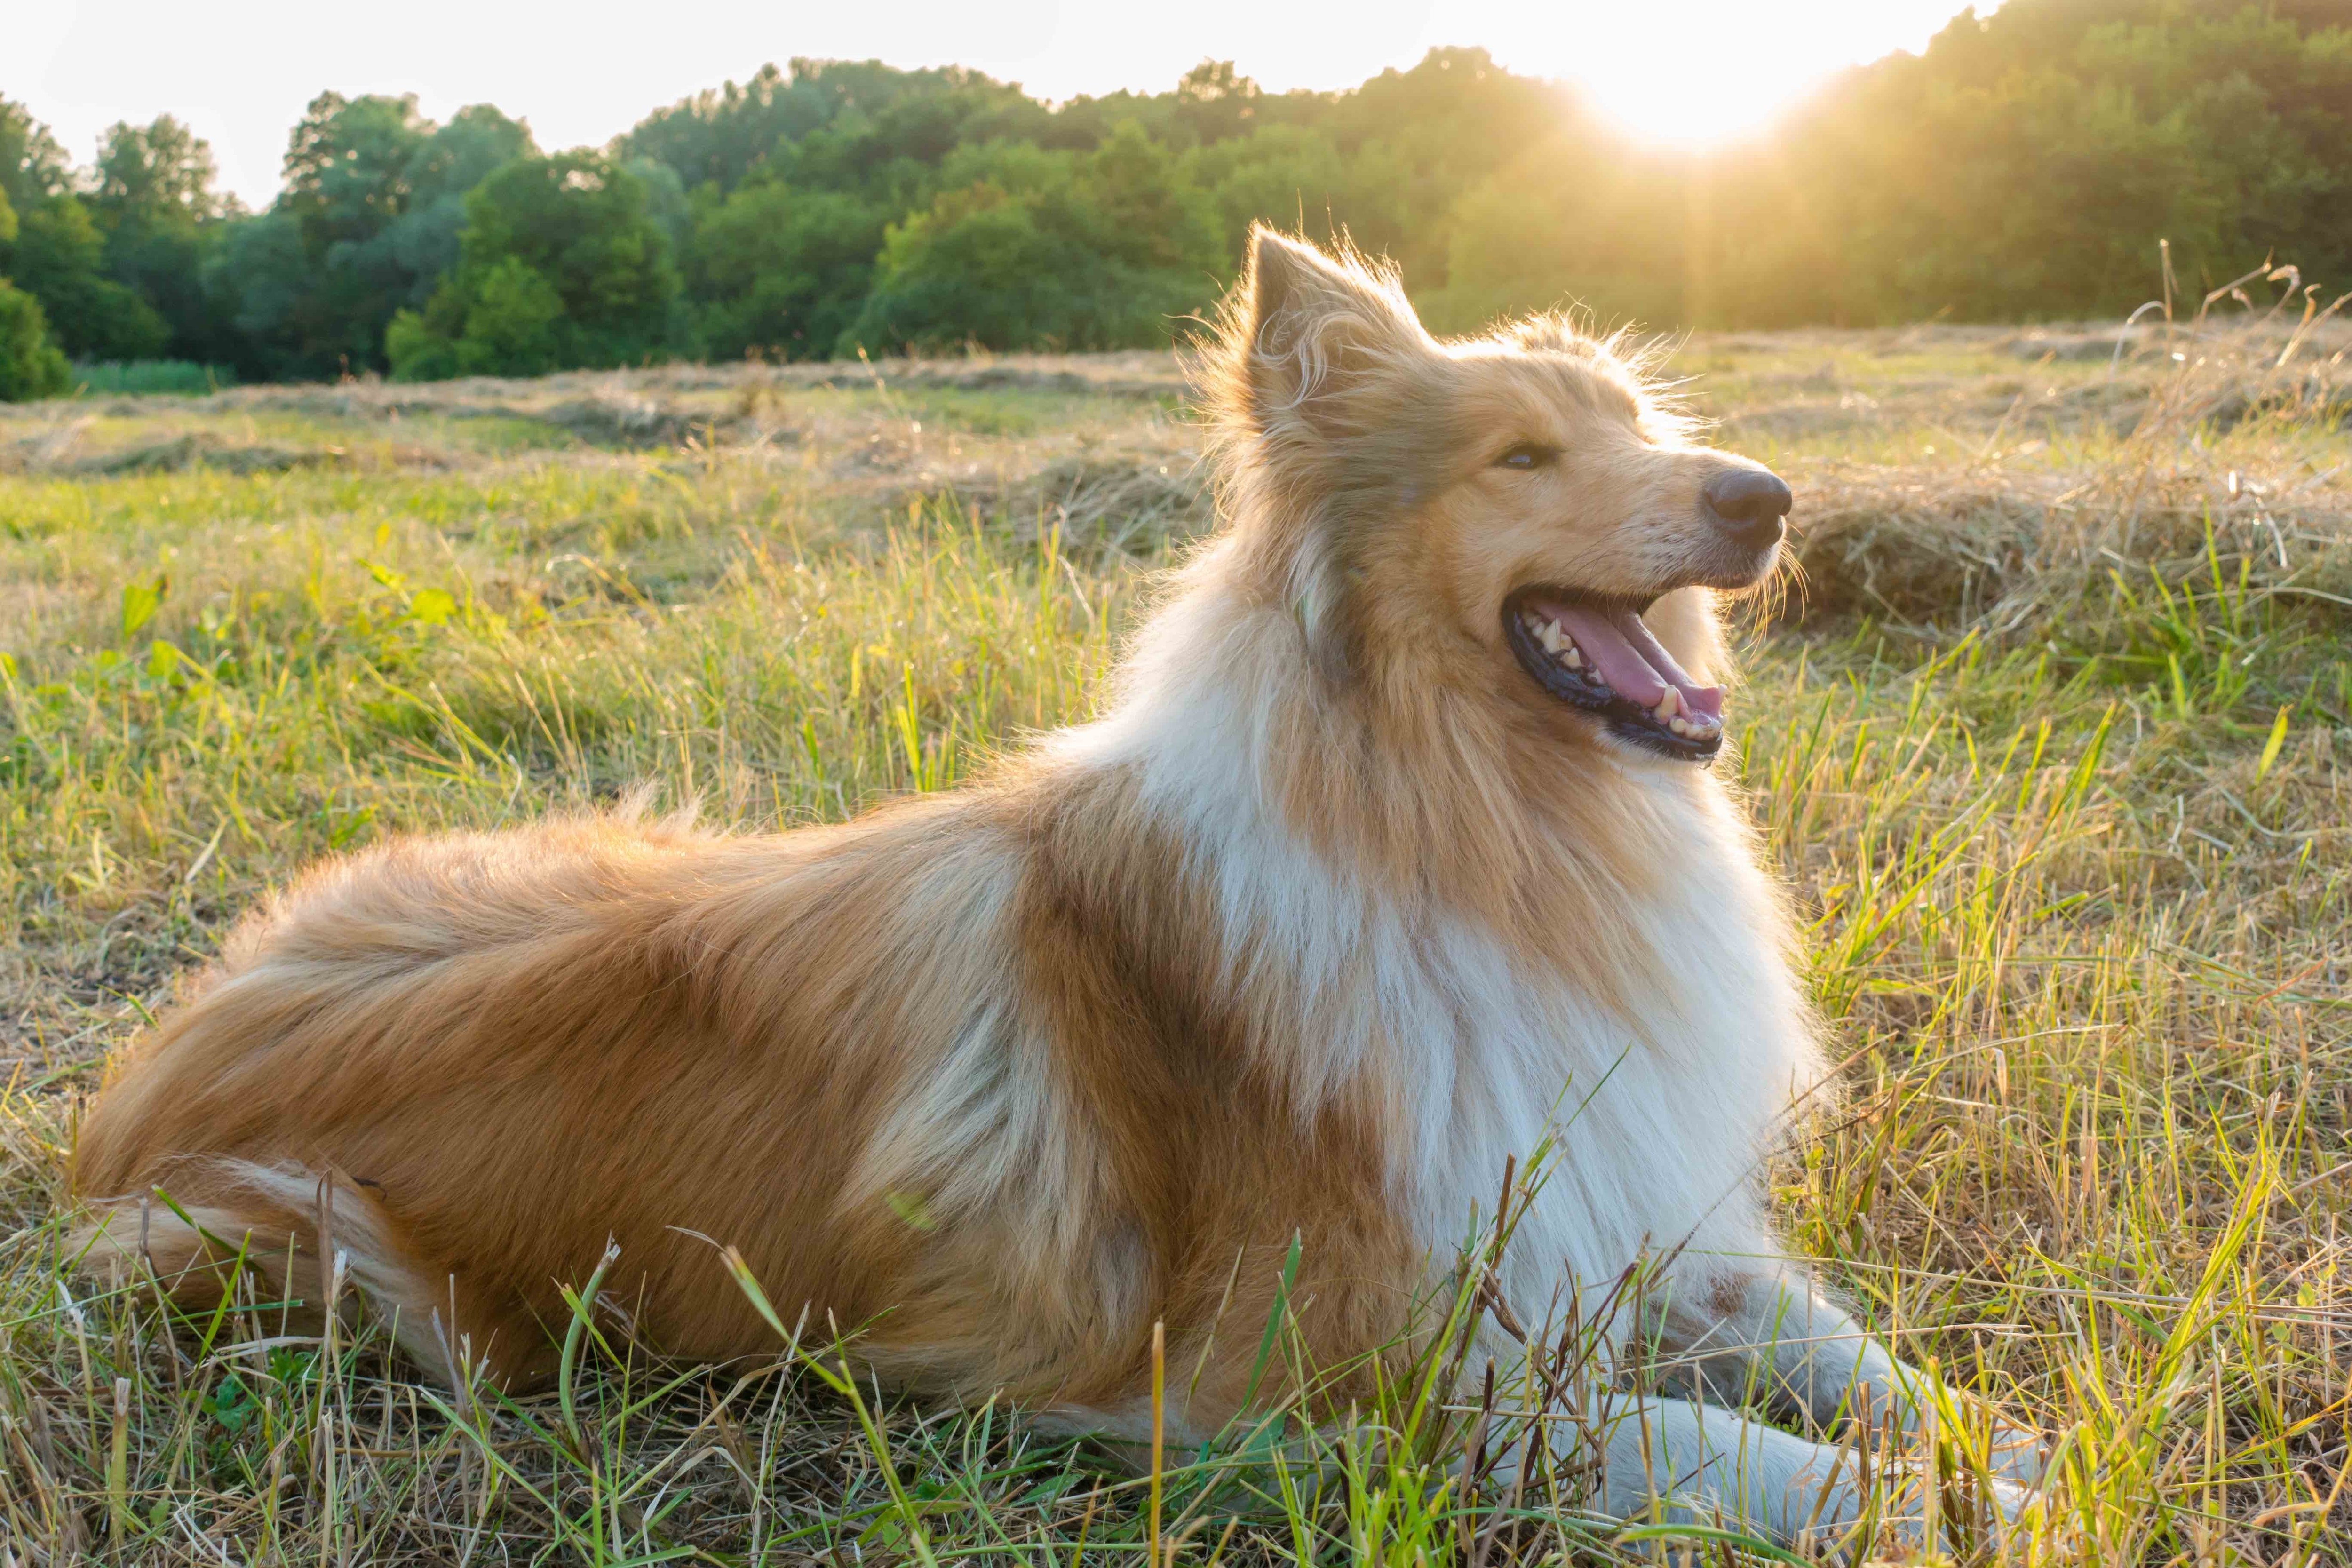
1133, 503
2206, 414
205, 449
1893, 547
614, 419
2002, 549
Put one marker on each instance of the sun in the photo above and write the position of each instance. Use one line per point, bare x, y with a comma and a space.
1708, 101
1705, 73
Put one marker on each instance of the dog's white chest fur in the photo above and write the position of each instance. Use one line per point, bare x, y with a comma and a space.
1655, 1115
1651, 1118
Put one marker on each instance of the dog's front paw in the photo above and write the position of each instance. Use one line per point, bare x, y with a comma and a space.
1969, 1516
2018, 1455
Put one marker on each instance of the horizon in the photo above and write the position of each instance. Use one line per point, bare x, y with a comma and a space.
1682, 91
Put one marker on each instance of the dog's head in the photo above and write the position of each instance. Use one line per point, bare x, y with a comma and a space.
1521, 497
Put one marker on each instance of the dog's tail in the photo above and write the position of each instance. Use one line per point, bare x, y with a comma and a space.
285, 1230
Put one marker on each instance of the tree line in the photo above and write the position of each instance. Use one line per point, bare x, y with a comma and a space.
2023, 167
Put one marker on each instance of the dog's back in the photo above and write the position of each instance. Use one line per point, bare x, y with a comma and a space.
957, 1077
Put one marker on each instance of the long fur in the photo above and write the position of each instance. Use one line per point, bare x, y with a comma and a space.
1330, 913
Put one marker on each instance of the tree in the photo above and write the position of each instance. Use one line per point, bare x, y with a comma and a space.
1295, 177
719, 137
1441, 127
153, 169
30, 366
157, 208
347, 166
513, 324
1611, 241
877, 116
400, 264
1049, 251
2023, 164
56, 253
560, 265
366, 227
781, 271
59, 257
260, 278
1214, 103
32, 165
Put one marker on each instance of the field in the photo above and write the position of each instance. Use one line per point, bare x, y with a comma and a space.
2051, 736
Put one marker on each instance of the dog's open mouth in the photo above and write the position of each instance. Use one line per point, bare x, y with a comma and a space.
1595, 654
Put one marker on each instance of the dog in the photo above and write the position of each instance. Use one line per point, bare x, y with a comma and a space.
1395, 853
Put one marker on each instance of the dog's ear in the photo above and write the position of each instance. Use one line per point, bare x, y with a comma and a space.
1320, 328
1316, 364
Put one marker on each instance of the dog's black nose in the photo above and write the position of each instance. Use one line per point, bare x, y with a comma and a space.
1751, 503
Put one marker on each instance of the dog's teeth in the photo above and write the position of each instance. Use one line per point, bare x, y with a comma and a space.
1678, 727
1669, 705
1573, 657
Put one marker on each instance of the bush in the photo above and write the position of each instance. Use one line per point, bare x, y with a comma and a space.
417, 351
516, 324
30, 365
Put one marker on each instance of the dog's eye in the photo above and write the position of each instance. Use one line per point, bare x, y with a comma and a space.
1528, 455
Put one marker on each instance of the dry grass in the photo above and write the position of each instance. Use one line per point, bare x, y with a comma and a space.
2051, 743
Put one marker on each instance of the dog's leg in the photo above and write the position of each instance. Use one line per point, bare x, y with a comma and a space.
1656, 1461
1770, 1332
1677, 1461
1680, 1461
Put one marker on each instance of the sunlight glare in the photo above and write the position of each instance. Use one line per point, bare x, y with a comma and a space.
1676, 72
1706, 99
1700, 72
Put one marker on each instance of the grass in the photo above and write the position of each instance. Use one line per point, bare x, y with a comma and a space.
2052, 746
110, 378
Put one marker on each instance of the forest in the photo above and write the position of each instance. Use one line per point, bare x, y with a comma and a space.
2023, 167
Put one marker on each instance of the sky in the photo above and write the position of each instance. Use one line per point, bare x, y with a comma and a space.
1690, 72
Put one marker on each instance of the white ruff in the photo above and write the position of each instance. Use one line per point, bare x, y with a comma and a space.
1657, 1125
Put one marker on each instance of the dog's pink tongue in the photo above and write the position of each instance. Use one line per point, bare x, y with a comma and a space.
1632, 661
1697, 699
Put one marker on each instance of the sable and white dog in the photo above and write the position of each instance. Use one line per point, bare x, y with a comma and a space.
1398, 837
